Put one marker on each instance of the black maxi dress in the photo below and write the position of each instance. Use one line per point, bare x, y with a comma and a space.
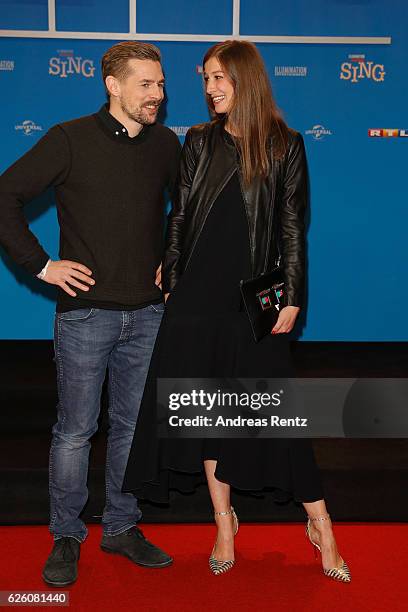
204, 334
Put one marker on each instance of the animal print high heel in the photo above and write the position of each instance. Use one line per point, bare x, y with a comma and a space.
220, 567
341, 573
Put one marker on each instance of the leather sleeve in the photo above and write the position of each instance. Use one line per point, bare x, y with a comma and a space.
292, 221
175, 227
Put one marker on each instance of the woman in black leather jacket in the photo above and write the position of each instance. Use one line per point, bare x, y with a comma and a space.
239, 207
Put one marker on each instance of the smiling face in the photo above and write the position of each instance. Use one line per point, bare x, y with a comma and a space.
218, 86
141, 92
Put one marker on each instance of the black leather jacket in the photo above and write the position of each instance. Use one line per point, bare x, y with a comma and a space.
275, 207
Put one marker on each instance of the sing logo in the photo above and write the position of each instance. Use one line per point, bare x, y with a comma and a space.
66, 64
28, 127
358, 68
387, 133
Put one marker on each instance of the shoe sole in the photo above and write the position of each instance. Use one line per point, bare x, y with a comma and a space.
156, 566
58, 584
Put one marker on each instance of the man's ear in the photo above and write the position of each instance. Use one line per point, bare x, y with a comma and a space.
112, 85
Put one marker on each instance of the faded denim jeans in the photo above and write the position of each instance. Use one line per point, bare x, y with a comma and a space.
87, 343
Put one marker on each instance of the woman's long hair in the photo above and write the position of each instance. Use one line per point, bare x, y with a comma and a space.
254, 116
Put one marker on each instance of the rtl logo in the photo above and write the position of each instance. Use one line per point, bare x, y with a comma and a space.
387, 133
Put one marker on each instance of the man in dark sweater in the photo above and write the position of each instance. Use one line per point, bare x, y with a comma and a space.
109, 171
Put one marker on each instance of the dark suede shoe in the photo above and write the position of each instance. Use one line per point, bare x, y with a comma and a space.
61, 567
133, 545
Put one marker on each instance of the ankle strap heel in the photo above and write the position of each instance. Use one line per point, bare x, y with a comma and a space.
224, 513
342, 573
220, 567
319, 518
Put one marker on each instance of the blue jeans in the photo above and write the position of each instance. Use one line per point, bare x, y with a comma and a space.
87, 343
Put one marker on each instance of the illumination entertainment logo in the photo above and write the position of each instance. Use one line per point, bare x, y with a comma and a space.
6, 65
179, 130
290, 71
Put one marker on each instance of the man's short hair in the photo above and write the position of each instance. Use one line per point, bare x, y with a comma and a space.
115, 61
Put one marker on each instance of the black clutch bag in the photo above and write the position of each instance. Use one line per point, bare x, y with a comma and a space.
262, 297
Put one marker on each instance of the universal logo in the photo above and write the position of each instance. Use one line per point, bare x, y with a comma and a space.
358, 68
387, 133
28, 127
291, 71
318, 132
66, 65
7, 65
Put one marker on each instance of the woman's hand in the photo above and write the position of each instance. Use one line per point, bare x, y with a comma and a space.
286, 320
158, 279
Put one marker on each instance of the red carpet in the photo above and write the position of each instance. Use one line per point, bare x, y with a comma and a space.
275, 570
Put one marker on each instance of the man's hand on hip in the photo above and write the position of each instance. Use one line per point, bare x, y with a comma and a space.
64, 273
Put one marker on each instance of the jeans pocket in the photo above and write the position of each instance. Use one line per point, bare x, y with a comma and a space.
158, 308
76, 315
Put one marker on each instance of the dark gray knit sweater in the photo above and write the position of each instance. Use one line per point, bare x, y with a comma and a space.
110, 200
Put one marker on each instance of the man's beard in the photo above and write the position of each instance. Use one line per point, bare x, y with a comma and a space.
139, 115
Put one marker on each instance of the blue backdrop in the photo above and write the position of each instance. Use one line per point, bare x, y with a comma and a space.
334, 94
